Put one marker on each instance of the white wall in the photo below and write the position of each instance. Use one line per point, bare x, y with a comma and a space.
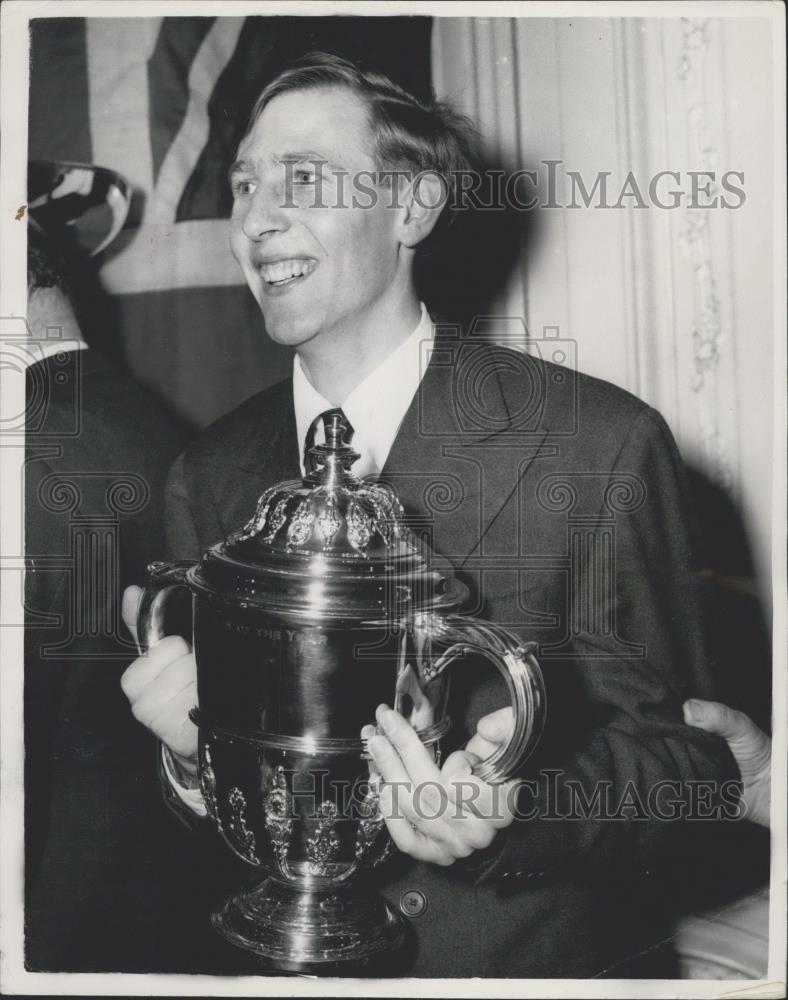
674, 304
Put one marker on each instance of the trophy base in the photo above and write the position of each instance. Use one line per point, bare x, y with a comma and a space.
300, 928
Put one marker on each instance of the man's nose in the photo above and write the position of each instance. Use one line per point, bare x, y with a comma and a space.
265, 212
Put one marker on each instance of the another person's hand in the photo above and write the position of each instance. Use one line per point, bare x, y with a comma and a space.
750, 746
161, 686
433, 814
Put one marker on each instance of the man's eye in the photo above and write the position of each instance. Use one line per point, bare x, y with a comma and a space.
243, 187
304, 176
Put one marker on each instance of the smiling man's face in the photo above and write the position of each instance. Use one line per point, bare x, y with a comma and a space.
315, 271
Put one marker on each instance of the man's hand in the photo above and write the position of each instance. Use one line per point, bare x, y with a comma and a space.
161, 686
439, 815
750, 746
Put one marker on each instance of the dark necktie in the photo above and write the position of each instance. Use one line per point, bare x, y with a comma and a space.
319, 421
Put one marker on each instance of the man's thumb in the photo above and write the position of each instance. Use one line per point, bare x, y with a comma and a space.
129, 607
715, 718
497, 726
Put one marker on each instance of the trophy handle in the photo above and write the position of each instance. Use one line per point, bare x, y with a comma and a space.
163, 580
520, 670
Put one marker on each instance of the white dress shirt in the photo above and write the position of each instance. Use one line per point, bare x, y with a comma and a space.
375, 409
377, 405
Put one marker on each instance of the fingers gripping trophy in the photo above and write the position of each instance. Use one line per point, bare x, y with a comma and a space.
322, 607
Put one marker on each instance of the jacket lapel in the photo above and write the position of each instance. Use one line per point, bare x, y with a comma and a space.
267, 456
459, 456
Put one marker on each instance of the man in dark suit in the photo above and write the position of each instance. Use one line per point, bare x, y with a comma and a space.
559, 498
98, 447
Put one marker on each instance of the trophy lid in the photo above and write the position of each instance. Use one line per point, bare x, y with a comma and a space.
331, 545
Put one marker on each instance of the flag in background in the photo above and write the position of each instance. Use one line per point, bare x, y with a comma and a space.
161, 101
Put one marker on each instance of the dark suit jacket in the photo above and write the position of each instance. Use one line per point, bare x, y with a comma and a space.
561, 501
98, 449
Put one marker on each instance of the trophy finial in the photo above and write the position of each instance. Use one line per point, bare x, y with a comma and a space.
329, 464
337, 428
332, 511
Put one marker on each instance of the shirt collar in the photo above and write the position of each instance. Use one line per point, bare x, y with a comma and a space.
377, 405
48, 348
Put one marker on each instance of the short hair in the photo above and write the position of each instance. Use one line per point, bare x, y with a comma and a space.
408, 133
46, 264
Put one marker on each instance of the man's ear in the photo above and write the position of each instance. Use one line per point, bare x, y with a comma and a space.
423, 203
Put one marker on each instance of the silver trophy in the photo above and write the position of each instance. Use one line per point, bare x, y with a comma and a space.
322, 607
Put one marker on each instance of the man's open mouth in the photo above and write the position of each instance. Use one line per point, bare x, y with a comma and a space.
286, 272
